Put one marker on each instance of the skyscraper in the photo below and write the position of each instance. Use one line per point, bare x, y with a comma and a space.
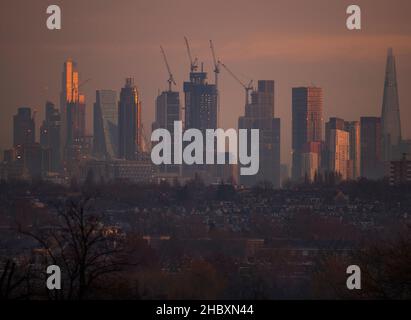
390, 115
200, 102
310, 160
338, 158
50, 134
354, 130
33, 159
106, 125
259, 114
167, 111
76, 121
69, 94
24, 127
129, 121
339, 153
371, 165
336, 147
307, 118
73, 113
200, 113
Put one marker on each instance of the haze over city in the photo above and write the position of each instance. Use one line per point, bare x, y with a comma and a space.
112, 40
123, 174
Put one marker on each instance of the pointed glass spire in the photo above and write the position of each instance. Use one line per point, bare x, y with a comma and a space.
390, 116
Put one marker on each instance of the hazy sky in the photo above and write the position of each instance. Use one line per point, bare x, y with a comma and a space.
294, 42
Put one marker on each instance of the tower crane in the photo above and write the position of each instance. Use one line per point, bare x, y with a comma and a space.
216, 73
193, 63
170, 80
216, 63
247, 87
84, 82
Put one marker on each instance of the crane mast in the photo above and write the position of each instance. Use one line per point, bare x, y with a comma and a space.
216, 63
193, 63
216, 73
247, 87
170, 80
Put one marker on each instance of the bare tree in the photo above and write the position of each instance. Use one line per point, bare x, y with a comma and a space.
385, 271
81, 245
14, 281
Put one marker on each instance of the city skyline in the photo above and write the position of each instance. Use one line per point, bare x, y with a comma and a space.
191, 153
314, 153
267, 55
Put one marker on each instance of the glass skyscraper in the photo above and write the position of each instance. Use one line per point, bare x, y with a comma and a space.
24, 127
307, 123
371, 165
50, 135
129, 121
259, 114
106, 125
390, 116
200, 113
167, 112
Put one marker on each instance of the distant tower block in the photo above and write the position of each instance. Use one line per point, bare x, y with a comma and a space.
390, 116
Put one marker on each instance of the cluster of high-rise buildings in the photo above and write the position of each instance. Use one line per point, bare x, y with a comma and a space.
366, 148
119, 149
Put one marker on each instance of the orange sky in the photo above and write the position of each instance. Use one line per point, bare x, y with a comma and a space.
294, 42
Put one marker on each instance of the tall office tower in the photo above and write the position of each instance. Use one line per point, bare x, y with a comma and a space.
334, 159
338, 148
330, 141
68, 95
76, 121
106, 125
50, 135
371, 165
23, 127
335, 154
129, 121
200, 99
390, 116
353, 128
167, 111
73, 114
310, 160
200, 102
259, 114
307, 118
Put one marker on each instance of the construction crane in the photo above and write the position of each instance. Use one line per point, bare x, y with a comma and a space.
193, 63
84, 82
170, 80
247, 87
216, 63
216, 73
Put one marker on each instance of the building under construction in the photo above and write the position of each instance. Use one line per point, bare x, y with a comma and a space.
166, 113
201, 111
259, 114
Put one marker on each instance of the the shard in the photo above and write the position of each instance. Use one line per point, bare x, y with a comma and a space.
390, 117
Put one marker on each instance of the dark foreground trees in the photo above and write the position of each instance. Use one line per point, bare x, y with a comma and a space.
15, 281
82, 244
385, 272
